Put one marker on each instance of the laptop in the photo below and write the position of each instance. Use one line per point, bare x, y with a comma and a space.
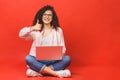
49, 52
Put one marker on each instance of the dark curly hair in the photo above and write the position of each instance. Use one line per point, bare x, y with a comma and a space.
39, 14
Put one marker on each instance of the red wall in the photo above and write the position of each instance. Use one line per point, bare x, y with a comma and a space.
91, 29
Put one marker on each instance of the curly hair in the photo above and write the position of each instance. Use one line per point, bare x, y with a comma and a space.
39, 14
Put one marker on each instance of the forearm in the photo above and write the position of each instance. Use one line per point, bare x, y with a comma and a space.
25, 32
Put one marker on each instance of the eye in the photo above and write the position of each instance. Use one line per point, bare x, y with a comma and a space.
49, 15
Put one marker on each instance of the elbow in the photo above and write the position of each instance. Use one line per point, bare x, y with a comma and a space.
20, 35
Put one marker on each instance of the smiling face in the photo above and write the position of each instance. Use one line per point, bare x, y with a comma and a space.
47, 17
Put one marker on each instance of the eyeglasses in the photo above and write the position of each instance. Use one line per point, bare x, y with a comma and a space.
49, 15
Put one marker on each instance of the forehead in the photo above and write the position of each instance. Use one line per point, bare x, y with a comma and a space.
48, 12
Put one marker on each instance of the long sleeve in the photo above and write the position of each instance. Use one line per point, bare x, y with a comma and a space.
26, 33
62, 42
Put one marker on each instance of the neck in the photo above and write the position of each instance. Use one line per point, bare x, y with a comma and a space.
47, 26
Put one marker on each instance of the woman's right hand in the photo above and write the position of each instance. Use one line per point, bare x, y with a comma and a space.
36, 27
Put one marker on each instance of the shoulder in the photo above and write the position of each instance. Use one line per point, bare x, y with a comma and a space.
59, 29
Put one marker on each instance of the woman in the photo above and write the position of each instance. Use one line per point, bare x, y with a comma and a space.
45, 31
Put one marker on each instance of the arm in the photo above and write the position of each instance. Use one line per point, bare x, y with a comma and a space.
28, 32
62, 42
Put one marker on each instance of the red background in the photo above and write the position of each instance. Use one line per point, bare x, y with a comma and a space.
91, 30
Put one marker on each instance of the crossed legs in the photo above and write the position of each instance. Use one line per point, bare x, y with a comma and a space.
47, 67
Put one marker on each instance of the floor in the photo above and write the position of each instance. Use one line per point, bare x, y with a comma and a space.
16, 71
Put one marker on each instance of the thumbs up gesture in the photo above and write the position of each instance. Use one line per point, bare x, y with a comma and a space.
36, 27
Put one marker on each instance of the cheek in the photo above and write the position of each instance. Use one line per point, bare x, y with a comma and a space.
51, 19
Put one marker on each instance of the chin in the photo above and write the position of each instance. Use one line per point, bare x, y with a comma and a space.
47, 22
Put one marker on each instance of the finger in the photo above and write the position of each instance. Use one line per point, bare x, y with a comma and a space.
37, 21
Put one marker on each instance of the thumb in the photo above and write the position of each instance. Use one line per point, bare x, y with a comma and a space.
37, 21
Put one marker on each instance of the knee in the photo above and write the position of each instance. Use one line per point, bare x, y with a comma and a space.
29, 59
67, 59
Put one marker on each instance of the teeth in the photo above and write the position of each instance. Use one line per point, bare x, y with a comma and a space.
46, 20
